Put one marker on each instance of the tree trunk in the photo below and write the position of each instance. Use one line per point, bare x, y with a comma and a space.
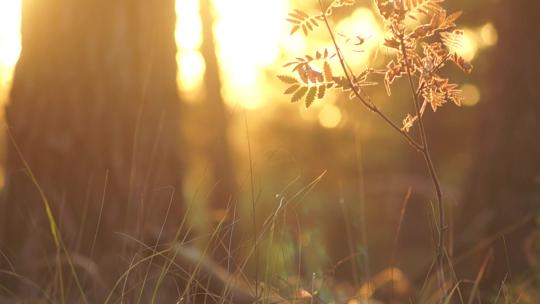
505, 181
218, 149
94, 117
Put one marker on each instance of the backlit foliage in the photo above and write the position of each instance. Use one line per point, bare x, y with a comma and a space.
421, 36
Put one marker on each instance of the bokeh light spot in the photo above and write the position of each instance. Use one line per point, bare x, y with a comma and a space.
469, 46
488, 35
471, 94
191, 67
330, 116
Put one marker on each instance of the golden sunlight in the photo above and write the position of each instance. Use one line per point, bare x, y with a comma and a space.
248, 42
360, 28
10, 37
466, 44
191, 66
246, 45
470, 45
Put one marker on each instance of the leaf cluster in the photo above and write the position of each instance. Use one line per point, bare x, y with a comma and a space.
307, 82
422, 38
423, 50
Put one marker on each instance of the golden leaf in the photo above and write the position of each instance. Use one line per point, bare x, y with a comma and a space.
301, 20
463, 64
424, 7
453, 40
408, 122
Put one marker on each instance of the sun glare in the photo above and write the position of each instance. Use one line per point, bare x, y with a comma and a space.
191, 66
249, 33
360, 28
10, 45
191, 69
470, 45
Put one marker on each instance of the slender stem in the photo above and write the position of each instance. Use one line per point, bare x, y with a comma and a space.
422, 147
372, 107
429, 163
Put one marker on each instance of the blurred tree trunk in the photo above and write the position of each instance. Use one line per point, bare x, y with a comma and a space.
218, 146
218, 149
94, 112
505, 182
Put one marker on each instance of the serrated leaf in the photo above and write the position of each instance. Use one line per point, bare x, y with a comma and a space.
310, 97
322, 92
299, 94
287, 79
463, 64
425, 7
301, 13
328, 77
309, 26
292, 89
453, 17
294, 21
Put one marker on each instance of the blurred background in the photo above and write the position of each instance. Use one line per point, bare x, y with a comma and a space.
332, 178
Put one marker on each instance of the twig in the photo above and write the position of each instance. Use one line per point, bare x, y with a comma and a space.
372, 107
422, 147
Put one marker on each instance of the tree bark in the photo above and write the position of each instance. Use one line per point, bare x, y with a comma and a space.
94, 117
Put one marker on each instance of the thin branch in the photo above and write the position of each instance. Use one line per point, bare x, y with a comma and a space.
372, 107
422, 147
429, 163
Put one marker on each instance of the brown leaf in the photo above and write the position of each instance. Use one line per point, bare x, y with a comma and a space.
328, 75
463, 64
322, 92
310, 97
292, 89
287, 79
299, 94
